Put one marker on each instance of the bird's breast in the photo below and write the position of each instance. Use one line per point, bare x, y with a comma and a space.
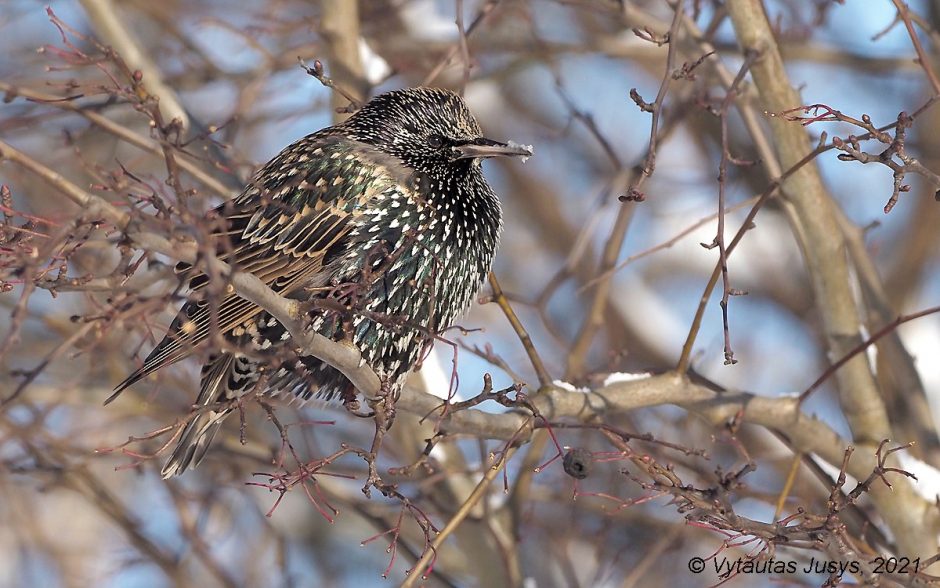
411, 266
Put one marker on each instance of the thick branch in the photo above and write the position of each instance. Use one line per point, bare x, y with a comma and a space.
813, 218
814, 222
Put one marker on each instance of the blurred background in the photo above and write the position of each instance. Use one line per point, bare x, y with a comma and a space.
80, 509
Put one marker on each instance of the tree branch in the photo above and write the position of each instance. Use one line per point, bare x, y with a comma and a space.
811, 214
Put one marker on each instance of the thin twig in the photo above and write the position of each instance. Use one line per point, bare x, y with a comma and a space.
418, 570
500, 299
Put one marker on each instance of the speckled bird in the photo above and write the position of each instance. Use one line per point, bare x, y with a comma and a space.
387, 215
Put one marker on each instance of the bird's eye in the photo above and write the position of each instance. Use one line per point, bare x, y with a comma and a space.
436, 141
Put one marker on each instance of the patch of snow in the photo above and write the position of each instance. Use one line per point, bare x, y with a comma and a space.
569, 387
438, 453
529, 148
435, 372
833, 472
374, 67
626, 377
927, 483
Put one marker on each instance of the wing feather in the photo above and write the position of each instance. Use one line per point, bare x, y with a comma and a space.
280, 229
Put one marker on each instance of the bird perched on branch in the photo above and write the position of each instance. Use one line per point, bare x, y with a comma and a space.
383, 223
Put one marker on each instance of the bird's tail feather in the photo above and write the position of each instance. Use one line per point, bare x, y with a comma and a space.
198, 434
172, 348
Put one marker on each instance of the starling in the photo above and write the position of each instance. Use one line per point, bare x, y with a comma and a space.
383, 224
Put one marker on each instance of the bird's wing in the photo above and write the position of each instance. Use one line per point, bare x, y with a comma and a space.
281, 228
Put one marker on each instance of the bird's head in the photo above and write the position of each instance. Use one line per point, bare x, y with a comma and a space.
428, 128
